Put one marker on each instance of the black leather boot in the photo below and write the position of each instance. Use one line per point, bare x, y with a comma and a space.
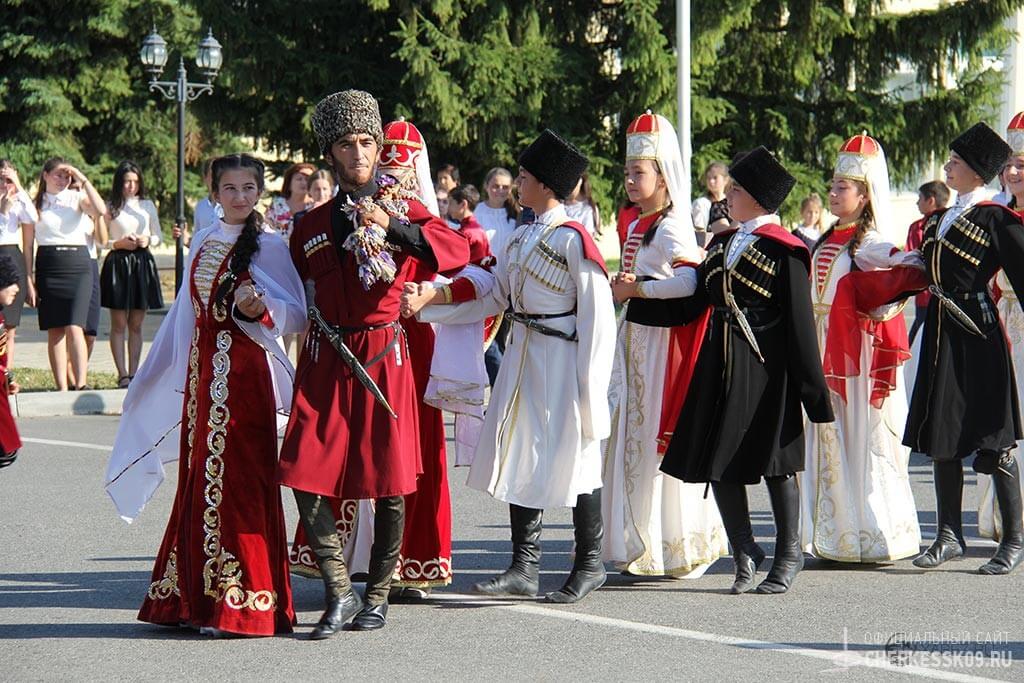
949, 536
746, 553
339, 611
1006, 480
388, 526
788, 558
587, 573
523, 576
342, 601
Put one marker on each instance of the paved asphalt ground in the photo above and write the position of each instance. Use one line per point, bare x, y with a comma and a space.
72, 576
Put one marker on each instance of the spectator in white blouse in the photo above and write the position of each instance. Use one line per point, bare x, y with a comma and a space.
16, 211
129, 281
63, 274
497, 213
710, 211
581, 207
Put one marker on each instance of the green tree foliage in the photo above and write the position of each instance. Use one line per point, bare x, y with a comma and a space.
802, 76
482, 77
71, 85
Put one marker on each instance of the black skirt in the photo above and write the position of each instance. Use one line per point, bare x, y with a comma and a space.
12, 313
64, 282
129, 281
92, 321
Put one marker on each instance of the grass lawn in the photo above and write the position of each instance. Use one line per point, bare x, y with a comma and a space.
34, 379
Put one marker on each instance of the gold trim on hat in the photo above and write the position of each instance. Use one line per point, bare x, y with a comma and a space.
1016, 140
642, 146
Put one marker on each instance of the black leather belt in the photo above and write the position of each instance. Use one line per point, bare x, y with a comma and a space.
529, 321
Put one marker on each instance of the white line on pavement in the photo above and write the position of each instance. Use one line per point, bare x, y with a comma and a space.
840, 659
69, 444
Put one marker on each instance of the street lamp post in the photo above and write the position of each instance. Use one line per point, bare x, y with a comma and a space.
209, 59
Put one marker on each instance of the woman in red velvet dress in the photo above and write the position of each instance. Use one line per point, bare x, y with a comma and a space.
222, 566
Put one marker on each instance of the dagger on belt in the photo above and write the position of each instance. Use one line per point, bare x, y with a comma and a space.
955, 310
334, 337
741, 318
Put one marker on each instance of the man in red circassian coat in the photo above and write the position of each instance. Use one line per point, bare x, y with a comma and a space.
342, 441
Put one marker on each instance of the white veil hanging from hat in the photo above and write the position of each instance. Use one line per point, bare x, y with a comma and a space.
676, 174
425, 182
881, 206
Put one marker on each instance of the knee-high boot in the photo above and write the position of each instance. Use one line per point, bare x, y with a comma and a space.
342, 601
388, 525
789, 557
523, 576
949, 536
587, 573
1006, 480
746, 553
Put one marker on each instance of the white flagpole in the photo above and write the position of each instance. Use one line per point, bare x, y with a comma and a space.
683, 87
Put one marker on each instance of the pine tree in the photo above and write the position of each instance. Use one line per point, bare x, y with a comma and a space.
71, 85
802, 76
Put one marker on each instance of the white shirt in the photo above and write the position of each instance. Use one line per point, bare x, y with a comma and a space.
744, 237
963, 202
583, 213
496, 224
207, 211
62, 221
700, 212
21, 210
136, 217
811, 232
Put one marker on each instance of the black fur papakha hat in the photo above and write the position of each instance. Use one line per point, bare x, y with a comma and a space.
554, 162
983, 149
9, 273
761, 175
343, 113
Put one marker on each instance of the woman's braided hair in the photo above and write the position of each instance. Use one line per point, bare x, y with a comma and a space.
249, 241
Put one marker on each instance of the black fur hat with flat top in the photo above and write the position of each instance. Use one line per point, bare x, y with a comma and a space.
983, 149
555, 162
761, 175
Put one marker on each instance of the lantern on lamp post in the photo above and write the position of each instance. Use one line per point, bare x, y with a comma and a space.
209, 58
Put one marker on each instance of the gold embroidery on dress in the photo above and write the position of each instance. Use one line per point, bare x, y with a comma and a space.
193, 387
208, 262
428, 574
168, 585
222, 575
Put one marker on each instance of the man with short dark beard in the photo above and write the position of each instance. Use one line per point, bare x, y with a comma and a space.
353, 428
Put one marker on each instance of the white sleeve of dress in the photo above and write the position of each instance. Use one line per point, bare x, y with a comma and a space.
494, 301
153, 227
595, 328
676, 243
875, 252
149, 433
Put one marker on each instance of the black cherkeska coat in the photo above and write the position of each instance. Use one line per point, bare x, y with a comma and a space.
742, 417
965, 395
